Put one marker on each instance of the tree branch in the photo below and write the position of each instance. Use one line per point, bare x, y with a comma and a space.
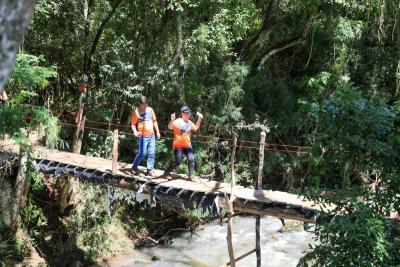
289, 43
99, 32
267, 28
280, 48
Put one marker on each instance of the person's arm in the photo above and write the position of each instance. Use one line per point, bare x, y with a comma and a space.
155, 124
198, 122
171, 122
135, 131
4, 96
133, 124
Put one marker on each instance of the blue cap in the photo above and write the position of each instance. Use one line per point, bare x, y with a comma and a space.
185, 109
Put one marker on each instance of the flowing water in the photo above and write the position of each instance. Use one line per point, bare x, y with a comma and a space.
209, 247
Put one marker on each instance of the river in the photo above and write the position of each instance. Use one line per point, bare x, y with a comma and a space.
208, 247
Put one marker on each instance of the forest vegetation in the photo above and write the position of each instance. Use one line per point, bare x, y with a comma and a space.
321, 74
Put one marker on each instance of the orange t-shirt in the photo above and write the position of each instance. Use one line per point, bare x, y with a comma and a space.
144, 121
182, 132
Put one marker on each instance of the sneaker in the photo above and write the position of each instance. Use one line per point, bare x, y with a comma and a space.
192, 179
152, 174
135, 170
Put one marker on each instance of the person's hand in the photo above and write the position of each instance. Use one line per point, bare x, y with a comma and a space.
173, 117
136, 134
158, 135
199, 115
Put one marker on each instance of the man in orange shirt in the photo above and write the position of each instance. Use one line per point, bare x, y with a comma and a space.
143, 124
182, 128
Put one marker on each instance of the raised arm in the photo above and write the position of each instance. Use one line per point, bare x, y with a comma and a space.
198, 122
171, 122
4, 96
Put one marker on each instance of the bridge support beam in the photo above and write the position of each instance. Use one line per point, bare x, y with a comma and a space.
133, 183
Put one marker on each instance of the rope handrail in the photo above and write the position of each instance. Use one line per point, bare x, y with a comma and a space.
199, 135
198, 141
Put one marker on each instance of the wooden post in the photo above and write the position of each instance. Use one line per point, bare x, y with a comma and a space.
115, 153
233, 180
77, 142
230, 202
258, 187
261, 164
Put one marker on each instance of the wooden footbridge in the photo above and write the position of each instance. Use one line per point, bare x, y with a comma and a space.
174, 190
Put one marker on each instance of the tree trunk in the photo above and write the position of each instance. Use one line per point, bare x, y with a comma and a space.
69, 193
7, 203
78, 137
14, 19
181, 73
179, 57
21, 190
87, 61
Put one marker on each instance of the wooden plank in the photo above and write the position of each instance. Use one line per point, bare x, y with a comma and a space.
273, 196
241, 205
200, 187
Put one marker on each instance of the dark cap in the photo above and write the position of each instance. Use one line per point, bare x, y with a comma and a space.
185, 109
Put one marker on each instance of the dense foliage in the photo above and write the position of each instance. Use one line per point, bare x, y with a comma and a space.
323, 74
21, 121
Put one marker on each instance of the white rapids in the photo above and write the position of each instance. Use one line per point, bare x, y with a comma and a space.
208, 248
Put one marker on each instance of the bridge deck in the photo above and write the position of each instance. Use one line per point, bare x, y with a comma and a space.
263, 202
